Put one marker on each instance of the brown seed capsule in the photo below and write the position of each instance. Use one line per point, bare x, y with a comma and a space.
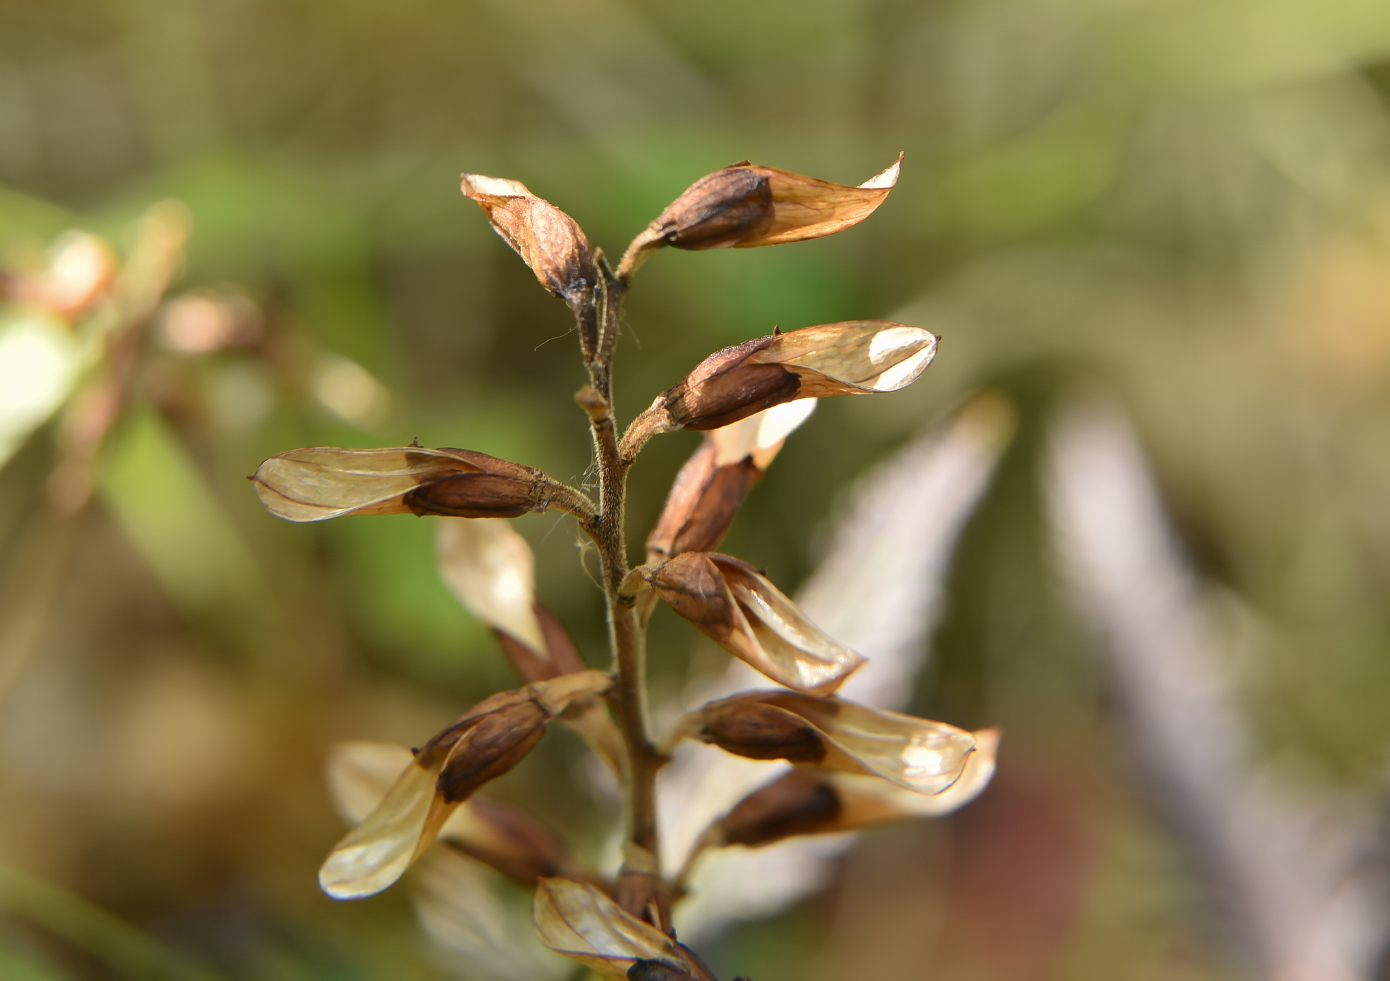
509, 840
749, 617
327, 482
488, 740
653, 970
702, 504
761, 732
486, 743
916, 755
550, 241
744, 206
710, 487
800, 803
856, 357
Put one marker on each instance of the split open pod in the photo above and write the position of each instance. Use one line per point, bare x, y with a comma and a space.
744, 613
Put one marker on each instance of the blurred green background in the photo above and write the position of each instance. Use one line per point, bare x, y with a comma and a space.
1185, 204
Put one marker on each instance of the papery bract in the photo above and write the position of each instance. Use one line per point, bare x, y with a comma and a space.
489, 567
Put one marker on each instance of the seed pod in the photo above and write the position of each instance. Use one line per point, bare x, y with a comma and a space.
749, 617
579, 921
327, 482
710, 487
855, 357
488, 740
918, 755
744, 206
550, 241
504, 837
810, 801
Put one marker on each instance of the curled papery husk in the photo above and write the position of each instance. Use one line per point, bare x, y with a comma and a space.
856, 357
749, 617
578, 920
550, 241
918, 755
810, 801
489, 567
486, 742
745, 206
321, 482
712, 484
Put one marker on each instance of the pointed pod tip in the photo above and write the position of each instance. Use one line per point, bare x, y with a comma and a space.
886, 178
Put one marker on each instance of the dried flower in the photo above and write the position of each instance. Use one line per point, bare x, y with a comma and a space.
327, 482
819, 801
579, 921
486, 742
508, 839
852, 358
749, 617
918, 755
550, 241
744, 206
710, 487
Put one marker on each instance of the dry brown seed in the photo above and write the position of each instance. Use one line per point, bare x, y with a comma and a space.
487, 741
550, 241
762, 732
740, 610
707, 492
856, 357
744, 206
917, 755
647, 970
800, 803
702, 504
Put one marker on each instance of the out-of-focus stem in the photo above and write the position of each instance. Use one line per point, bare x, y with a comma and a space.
639, 883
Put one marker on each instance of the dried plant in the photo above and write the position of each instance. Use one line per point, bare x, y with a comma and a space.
854, 765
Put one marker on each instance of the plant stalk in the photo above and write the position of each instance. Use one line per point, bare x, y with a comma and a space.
639, 886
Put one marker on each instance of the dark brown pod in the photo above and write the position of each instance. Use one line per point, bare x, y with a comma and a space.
722, 209
725, 388
550, 241
702, 503
757, 731
745, 206
800, 803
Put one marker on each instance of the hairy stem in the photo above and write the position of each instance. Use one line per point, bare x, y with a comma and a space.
639, 886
